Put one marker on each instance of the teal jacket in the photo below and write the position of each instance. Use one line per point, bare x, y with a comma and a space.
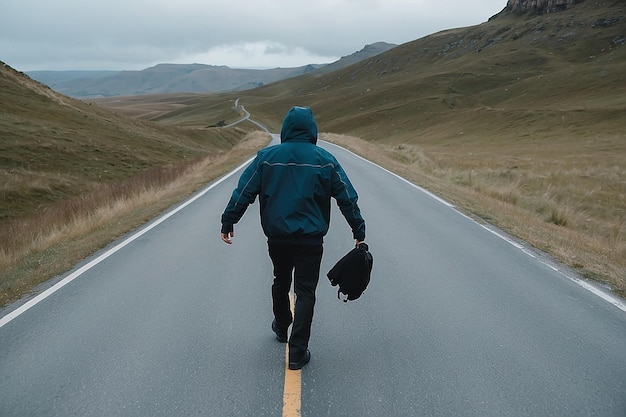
295, 182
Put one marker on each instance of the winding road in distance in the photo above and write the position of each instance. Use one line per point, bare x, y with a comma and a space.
459, 320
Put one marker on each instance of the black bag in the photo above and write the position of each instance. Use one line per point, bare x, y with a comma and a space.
352, 273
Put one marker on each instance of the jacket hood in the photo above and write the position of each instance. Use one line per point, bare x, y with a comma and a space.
299, 126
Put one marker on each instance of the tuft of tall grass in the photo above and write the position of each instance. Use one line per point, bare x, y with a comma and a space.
558, 217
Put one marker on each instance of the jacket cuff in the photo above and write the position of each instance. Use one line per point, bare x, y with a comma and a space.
227, 228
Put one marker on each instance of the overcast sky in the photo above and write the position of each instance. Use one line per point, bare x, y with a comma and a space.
137, 34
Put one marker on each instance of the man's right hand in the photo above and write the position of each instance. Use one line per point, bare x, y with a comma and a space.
228, 237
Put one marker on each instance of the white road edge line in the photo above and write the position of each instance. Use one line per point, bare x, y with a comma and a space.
47, 293
587, 286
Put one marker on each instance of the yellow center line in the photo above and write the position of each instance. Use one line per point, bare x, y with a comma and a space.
292, 391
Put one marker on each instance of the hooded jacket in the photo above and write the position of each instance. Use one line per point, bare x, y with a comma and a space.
295, 181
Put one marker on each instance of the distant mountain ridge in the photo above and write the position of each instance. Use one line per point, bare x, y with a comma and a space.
368, 51
187, 78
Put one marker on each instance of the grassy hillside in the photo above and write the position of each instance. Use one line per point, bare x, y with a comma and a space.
54, 147
519, 121
562, 63
70, 171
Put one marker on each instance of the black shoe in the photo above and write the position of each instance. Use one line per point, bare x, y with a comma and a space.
281, 334
299, 364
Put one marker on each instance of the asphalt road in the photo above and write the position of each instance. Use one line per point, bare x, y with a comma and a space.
457, 321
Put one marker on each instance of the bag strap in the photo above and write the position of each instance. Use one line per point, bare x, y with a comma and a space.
340, 298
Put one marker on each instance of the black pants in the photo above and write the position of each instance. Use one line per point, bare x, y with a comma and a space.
303, 263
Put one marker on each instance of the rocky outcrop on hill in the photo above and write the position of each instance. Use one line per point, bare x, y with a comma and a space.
540, 6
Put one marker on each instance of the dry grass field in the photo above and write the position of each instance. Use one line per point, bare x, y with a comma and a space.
518, 122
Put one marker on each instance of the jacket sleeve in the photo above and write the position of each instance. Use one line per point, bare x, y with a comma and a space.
247, 189
346, 196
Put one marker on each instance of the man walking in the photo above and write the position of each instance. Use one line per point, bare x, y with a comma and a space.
295, 182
